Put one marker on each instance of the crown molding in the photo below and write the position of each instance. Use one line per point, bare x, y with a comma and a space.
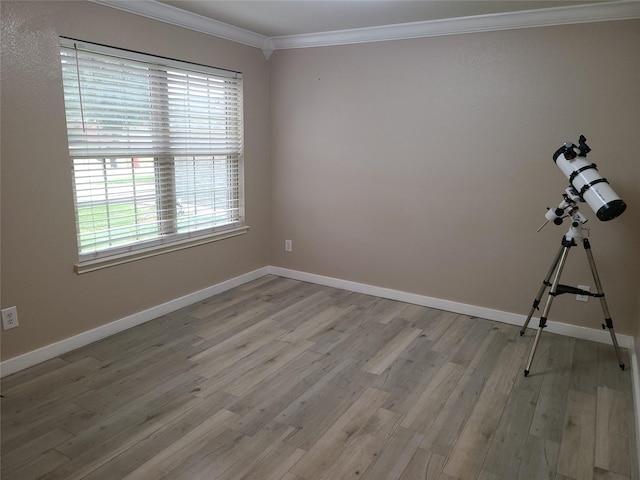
596, 12
175, 16
619, 10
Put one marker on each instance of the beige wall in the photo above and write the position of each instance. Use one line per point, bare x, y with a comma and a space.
421, 165
425, 165
38, 231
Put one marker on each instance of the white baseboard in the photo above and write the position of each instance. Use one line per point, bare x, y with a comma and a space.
596, 335
48, 352
602, 336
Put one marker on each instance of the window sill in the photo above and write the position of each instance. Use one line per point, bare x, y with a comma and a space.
113, 260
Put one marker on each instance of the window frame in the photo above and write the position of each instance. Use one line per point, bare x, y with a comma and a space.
172, 241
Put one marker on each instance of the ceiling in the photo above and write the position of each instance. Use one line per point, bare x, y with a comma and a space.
277, 24
295, 17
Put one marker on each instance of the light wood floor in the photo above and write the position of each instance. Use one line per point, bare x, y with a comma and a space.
284, 380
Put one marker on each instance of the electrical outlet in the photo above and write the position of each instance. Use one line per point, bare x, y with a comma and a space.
288, 246
583, 298
10, 318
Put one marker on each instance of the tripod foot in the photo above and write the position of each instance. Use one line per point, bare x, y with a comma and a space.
521, 332
622, 366
526, 373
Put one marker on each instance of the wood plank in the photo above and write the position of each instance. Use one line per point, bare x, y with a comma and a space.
439, 325
484, 475
30, 451
363, 447
416, 316
430, 403
381, 310
408, 377
269, 398
391, 351
365, 342
291, 476
137, 398
486, 358
348, 323
613, 425
539, 459
469, 452
36, 372
259, 448
173, 455
313, 412
395, 456
21, 428
576, 458
163, 375
235, 340
289, 317
37, 467
473, 339
599, 474
276, 464
451, 338
235, 299
215, 331
424, 465
583, 367
330, 445
211, 457
446, 429
234, 351
314, 324
40, 390
92, 449
548, 418
508, 443
260, 372
609, 373
244, 366
116, 467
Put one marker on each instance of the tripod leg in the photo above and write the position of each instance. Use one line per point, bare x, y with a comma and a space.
543, 287
552, 293
607, 317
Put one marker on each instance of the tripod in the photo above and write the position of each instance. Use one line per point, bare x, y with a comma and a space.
568, 241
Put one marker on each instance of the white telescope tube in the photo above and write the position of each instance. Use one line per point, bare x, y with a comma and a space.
589, 185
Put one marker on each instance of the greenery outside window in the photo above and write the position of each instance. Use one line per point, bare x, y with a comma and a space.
156, 149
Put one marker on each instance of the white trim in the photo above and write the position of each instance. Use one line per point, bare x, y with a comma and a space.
48, 352
53, 350
181, 18
596, 335
593, 12
625, 9
92, 265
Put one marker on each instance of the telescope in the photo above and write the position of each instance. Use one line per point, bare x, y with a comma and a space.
585, 185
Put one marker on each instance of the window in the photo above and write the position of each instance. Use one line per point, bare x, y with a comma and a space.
156, 152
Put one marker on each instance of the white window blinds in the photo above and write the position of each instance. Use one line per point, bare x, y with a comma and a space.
155, 147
